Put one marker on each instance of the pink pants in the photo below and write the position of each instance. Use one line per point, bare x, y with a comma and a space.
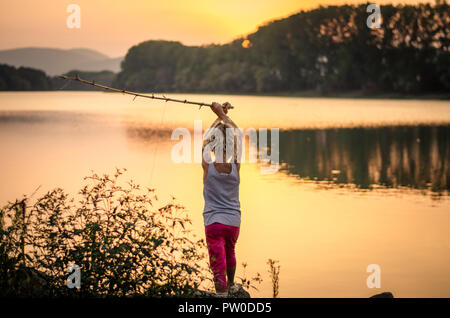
221, 239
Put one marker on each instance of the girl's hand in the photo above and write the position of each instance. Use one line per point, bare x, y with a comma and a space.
218, 110
226, 107
221, 110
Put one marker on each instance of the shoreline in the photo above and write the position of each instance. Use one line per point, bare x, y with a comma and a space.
344, 95
302, 94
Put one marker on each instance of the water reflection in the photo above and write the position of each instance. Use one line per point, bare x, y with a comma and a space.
44, 117
144, 134
323, 239
414, 157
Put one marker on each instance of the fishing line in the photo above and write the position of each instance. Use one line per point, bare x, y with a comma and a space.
152, 96
157, 143
65, 85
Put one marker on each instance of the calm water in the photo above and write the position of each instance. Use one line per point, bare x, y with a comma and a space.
362, 181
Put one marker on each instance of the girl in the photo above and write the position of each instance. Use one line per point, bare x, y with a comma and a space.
222, 212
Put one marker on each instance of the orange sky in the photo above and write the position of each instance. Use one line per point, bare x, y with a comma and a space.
113, 26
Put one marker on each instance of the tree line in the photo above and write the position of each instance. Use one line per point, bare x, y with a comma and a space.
30, 79
325, 50
23, 79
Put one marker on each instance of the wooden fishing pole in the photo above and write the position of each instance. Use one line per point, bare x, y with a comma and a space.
152, 96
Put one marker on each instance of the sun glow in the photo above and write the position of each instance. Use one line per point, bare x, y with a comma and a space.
112, 27
246, 44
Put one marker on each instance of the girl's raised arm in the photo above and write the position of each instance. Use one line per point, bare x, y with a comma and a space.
221, 112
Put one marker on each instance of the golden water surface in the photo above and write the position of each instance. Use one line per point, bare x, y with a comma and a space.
362, 181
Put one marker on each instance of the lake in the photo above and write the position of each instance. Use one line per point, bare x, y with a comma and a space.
361, 181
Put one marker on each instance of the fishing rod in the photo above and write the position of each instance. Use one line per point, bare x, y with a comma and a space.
152, 96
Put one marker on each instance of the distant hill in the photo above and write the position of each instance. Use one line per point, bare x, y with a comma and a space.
102, 77
58, 61
23, 79
31, 79
327, 50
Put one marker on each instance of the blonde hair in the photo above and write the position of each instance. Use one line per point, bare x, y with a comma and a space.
227, 143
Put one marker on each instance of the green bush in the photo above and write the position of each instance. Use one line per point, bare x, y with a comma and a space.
123, 242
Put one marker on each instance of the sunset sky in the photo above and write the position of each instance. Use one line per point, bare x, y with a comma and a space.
113, 26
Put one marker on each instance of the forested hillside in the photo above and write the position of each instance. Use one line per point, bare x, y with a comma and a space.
325, 50
23, 79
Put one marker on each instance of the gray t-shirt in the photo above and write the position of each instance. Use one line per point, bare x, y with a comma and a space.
221, 193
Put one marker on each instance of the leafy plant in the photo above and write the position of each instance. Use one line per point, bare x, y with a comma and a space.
274, 271
124, 241
248, 283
